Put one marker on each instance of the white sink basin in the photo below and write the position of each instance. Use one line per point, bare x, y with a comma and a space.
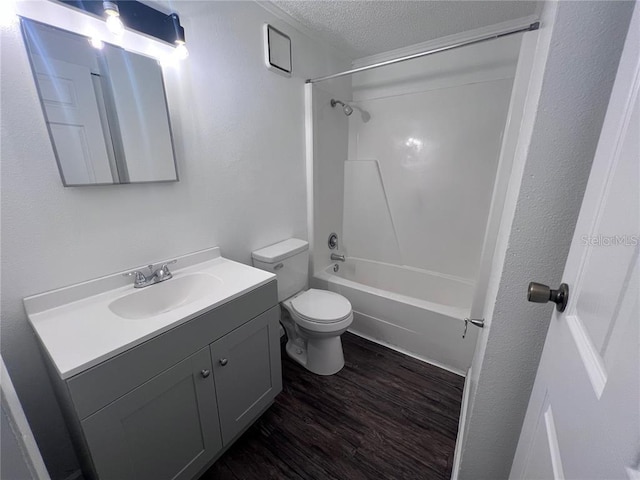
110, 316
165, 296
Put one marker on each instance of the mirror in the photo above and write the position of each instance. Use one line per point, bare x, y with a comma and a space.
105, 108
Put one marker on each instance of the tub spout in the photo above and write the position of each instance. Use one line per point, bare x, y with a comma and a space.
335, 256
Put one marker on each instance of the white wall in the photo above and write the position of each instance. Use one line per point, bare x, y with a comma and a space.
20, 457
562, 127
13, 464
423, 158
239, 134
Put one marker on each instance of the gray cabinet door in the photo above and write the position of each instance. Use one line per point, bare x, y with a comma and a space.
167, 428
248, 372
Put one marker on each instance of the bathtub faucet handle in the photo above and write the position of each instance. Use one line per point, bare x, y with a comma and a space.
333, 241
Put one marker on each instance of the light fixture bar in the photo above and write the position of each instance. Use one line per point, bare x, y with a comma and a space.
137, 17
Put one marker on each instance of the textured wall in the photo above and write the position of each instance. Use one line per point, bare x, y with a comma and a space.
239, 133
585, 49
13, 463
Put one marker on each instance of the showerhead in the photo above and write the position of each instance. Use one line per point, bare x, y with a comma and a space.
345, 108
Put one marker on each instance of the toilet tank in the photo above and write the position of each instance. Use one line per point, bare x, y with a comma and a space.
289, 260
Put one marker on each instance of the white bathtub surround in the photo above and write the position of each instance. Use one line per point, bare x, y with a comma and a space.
437, 153
414, 312
327, 139
85, 311
367, 221
424, 143
422, 167
452, 294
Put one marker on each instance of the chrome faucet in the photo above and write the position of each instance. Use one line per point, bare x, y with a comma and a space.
335, 256
155, 276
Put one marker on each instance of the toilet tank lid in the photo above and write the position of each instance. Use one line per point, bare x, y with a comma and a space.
281, 250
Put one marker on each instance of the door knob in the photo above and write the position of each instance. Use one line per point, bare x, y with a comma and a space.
540, 293
223, 361
205, 373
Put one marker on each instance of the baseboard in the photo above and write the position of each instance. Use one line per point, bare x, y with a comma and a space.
407, 353
461, 424
75, 475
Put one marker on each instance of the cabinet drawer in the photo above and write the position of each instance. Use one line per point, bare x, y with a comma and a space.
99, 386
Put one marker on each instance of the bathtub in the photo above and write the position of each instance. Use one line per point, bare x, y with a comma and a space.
410, 310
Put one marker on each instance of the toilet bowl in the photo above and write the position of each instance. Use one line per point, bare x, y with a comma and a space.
313, 319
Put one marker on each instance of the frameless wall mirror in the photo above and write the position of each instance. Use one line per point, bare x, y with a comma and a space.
105, 108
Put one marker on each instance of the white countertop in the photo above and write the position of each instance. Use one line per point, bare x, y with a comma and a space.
79, 331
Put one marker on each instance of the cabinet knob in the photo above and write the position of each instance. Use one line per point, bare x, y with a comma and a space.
223, 361
205, 373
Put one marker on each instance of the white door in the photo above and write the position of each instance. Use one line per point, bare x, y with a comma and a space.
583, 419
71, 105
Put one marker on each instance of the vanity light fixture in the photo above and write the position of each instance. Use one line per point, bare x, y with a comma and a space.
114, 22
137, 17
181, 51
96, 43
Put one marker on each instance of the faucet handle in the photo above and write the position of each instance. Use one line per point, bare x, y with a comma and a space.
165, 266
139, 277
164, 272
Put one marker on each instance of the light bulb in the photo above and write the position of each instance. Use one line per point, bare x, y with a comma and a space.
181, 52
115, 25
96, 43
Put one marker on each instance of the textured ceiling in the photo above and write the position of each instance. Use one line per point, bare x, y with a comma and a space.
363, 28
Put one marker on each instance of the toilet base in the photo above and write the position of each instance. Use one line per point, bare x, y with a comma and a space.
320, 353
322, 356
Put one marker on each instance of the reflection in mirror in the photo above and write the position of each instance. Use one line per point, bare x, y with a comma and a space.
105, 109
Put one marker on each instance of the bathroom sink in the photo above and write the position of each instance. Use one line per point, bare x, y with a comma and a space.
164, 297
111, 316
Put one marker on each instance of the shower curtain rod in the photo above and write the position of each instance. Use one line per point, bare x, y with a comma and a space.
531, 27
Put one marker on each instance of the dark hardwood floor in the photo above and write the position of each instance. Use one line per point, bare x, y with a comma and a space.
383, 416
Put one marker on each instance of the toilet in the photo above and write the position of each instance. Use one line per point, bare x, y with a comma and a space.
313, 319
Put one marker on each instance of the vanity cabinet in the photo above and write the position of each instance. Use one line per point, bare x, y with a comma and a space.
166, 428
243, 375
169, 407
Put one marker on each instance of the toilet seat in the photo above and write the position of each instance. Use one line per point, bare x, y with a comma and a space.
321, 306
